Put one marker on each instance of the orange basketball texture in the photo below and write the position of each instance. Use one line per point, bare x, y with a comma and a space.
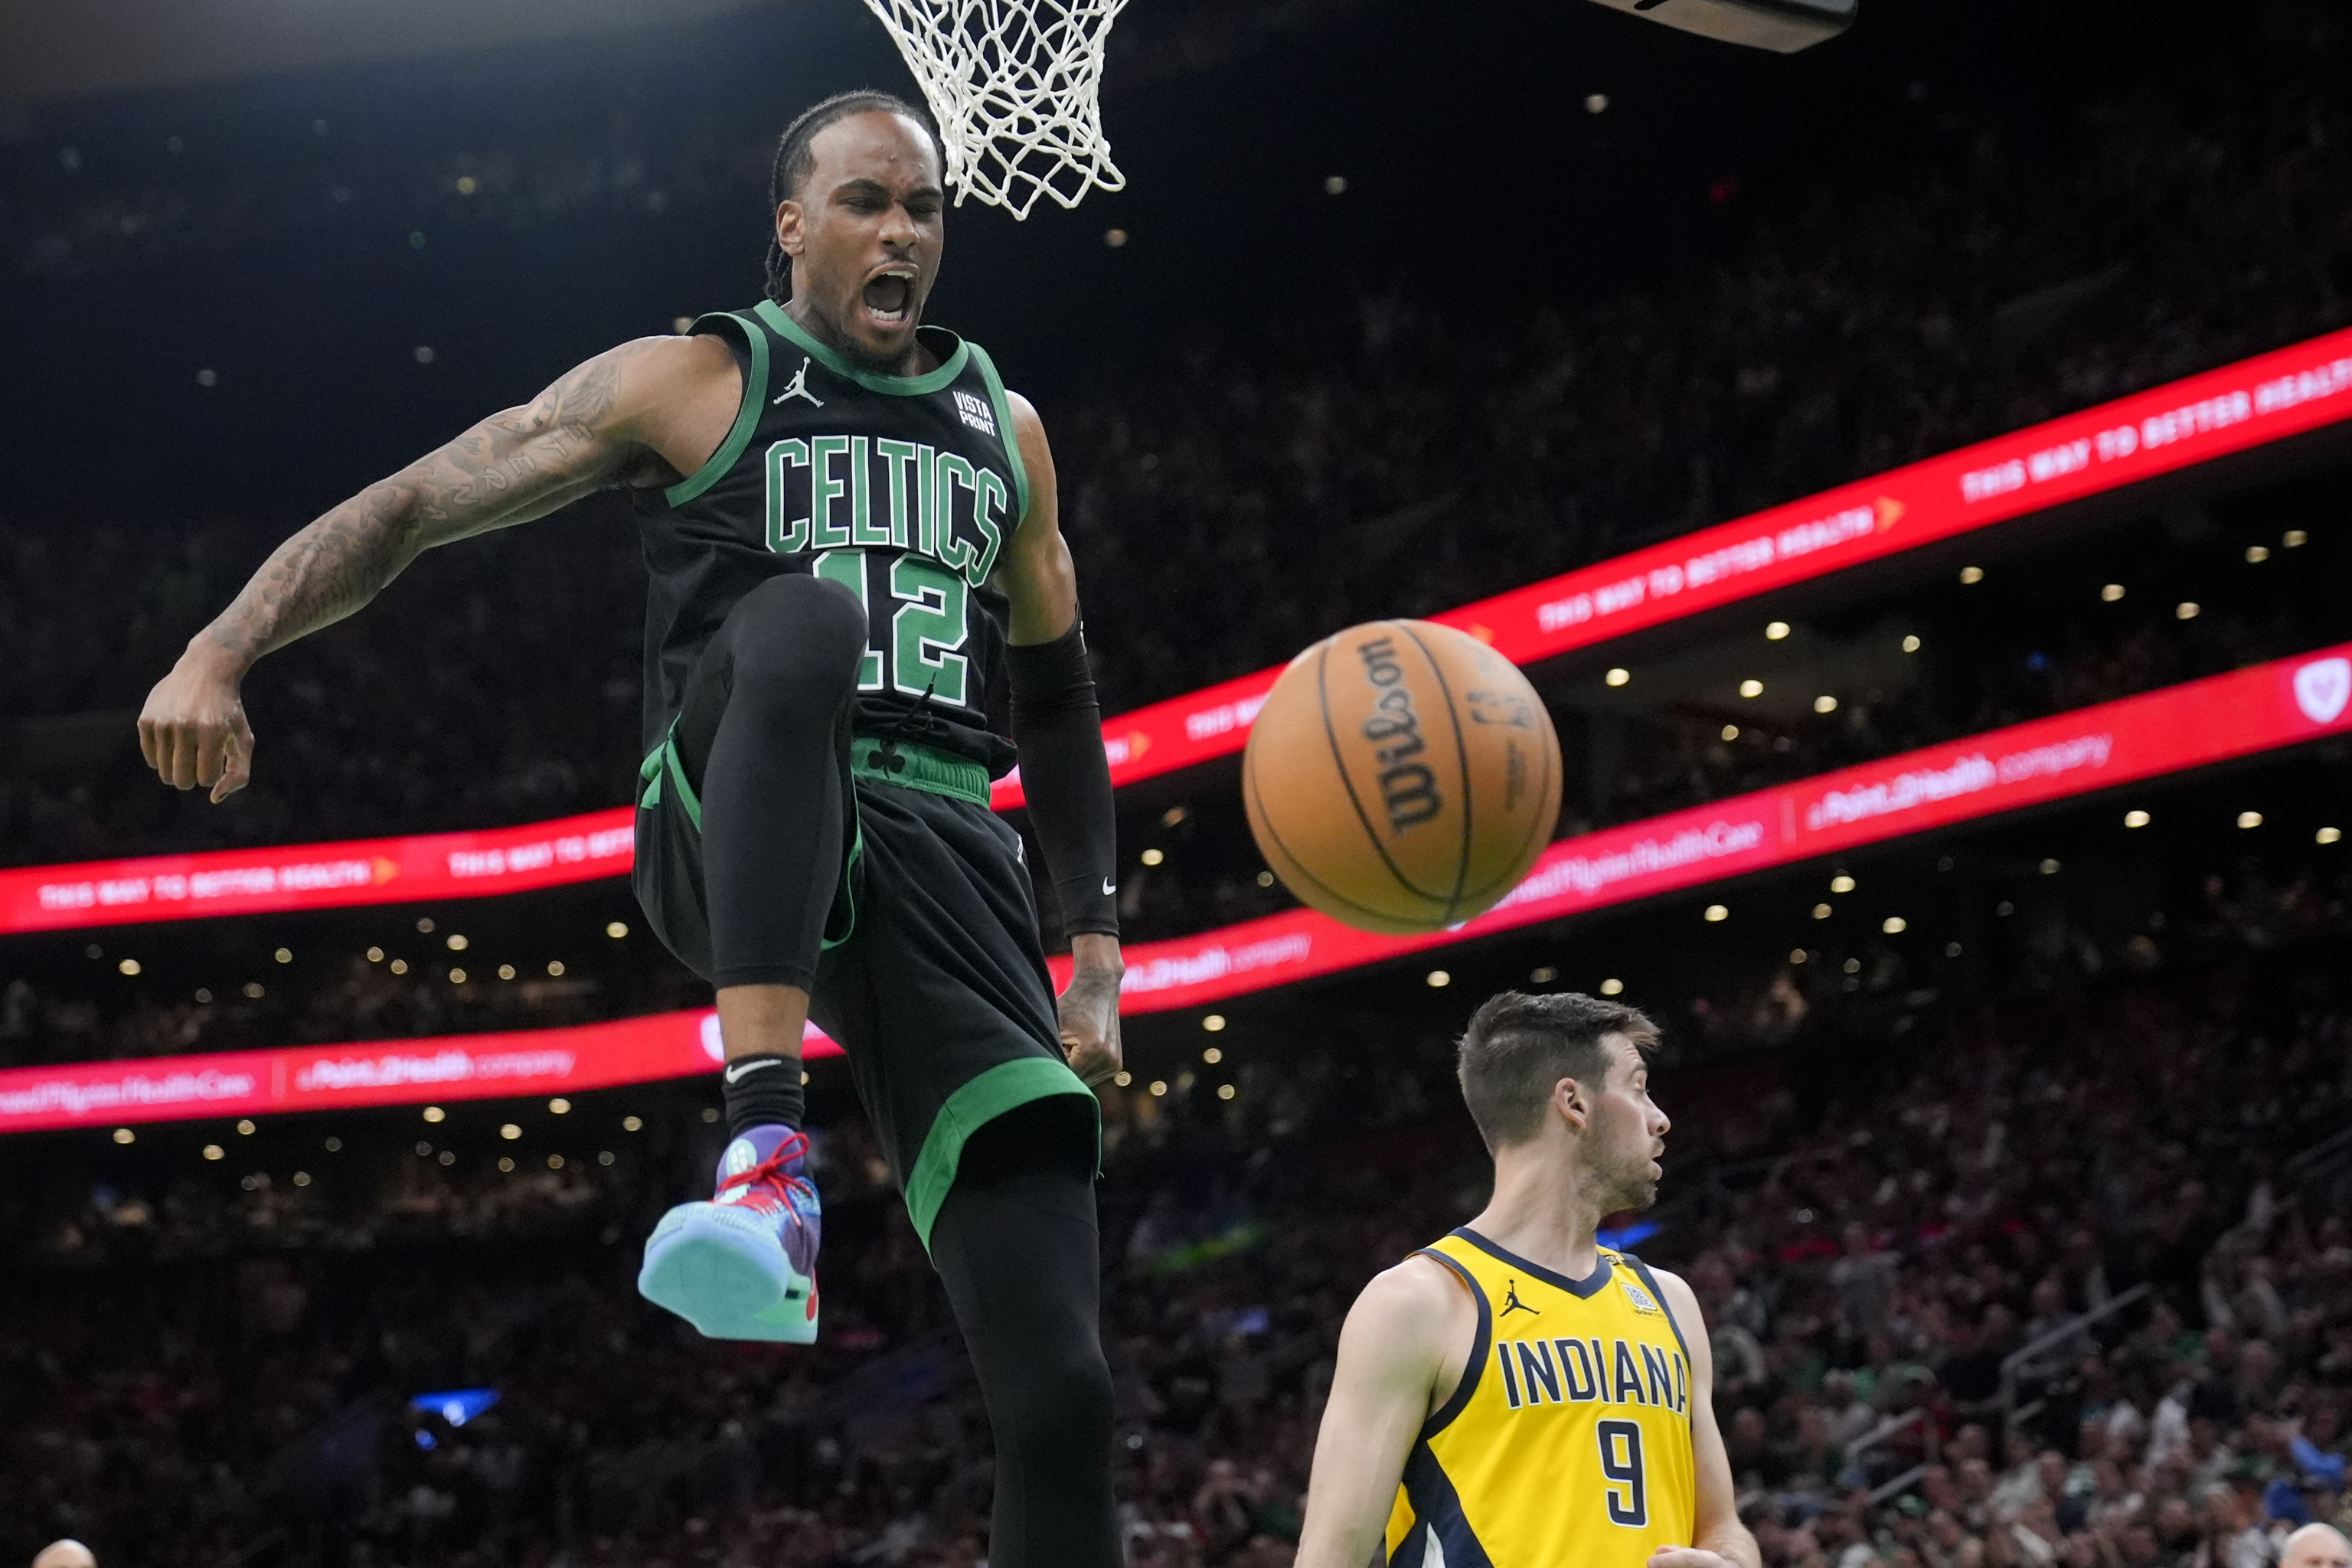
1402, 776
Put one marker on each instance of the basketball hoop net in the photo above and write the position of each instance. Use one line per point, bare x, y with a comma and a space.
1014, 85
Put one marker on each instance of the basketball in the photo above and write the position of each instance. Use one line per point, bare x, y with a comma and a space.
1402, 776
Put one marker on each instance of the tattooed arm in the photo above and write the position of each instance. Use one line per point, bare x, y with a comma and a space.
642, 414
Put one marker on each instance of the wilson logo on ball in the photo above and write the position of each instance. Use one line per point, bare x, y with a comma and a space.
1408, 789
1402, 777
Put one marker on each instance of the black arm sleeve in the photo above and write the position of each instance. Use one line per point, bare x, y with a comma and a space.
1058, 728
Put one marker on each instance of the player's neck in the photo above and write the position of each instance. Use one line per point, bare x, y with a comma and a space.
919, 360
1542, 1213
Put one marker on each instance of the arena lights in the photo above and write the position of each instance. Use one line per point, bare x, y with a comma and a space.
633, 1124
1730, 733
2187, 610
283, 955
2217, 719
433, 1113
1971, 575
1825, 704
1225, 1091
2111, 592
375, 955
506, 972
245, 1128
616, 930
1215, 1023
1618, 676
124, 1135
1613, 987
1893, 925
2328, 835
2249, 819
128, 966
559, 1106
1151, 857
2257, 553
1776, 631
2294, 538
1213, 1056
2137, 818
1751, 687
215, 1151
456, 941
1841, 883
1717, 913
1911, 642
1822, 911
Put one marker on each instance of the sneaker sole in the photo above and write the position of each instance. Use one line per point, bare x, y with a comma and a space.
730, 1281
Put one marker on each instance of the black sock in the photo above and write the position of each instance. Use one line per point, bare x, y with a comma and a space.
762, 1091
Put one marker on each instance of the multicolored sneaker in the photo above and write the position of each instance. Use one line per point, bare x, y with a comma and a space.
743, 1266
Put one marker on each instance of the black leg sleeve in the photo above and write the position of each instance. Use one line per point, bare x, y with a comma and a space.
762, 733
1017, 1247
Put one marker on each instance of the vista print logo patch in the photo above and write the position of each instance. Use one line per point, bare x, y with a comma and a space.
2322, 688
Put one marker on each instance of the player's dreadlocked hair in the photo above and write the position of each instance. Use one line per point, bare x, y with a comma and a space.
793, 161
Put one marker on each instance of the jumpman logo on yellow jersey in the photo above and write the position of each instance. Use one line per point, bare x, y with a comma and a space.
1511, 1302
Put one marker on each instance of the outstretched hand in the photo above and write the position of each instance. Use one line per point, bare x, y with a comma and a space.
193, 730
1089, 1010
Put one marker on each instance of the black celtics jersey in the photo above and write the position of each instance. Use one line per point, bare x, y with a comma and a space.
904, 489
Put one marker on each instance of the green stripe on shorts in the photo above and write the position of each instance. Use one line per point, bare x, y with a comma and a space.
1003, 1087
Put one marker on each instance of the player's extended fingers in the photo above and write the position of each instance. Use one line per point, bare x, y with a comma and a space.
1094, 1063
147, 740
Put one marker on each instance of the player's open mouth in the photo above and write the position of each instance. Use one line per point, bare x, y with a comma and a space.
891, 297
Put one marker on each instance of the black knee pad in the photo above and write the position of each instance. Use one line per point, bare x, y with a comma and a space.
805, 632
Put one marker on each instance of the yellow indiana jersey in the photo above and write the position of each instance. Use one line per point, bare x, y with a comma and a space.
1568, 1444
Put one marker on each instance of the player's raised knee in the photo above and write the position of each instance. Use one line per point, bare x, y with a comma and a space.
800, 628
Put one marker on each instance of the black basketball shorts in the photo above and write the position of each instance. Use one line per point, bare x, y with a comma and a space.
932, 978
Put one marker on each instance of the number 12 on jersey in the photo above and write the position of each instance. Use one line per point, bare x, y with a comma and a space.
914, 650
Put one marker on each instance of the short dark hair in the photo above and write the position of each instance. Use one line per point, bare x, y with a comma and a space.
1517, 1047
794, 160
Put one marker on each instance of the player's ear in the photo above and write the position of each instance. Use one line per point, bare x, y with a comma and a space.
1568, 1103
792, 236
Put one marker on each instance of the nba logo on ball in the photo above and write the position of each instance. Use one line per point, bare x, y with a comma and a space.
2322, 688
1402, 776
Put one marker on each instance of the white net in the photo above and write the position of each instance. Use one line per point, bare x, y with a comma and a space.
1014, 85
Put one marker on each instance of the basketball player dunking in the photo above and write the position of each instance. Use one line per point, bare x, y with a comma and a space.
850, 529
1516, 1395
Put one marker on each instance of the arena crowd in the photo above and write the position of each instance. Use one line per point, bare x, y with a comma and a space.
1896, 1217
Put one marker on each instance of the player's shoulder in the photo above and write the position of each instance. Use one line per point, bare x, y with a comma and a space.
652, 371
1416, 1289
1680, 1300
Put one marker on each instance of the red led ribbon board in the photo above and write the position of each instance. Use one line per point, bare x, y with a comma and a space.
2162, 431
374, 1072
319, 876
2227, 716
2133, 439
2181, 727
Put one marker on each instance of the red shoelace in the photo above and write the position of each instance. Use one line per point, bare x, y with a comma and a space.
773, 1169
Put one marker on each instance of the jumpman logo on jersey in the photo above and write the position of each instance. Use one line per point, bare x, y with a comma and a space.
1511, 1302
798, 387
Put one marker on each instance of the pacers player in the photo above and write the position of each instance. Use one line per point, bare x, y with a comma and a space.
850, 531
1516, 1395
